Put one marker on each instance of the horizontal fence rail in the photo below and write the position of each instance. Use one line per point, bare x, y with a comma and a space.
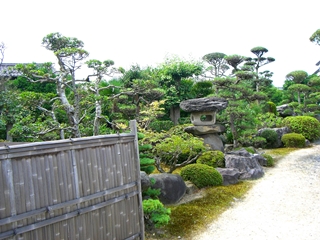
85, 188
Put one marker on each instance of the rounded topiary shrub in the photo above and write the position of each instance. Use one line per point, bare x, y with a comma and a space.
270, 160
293, 140
212, 159
271, 107
309, 127
271, 137
201, 175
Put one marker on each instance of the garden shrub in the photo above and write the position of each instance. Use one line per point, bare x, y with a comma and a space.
212, 159
145, 155
271, 137
309, 127
270, 160
159, 126
268, 120
293, 140
271, 107
176, 149
155, 214
201, 175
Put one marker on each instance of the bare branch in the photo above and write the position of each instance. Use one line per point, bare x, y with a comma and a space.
83, 116
158, 165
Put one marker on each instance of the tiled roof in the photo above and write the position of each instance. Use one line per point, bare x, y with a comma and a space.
4, 70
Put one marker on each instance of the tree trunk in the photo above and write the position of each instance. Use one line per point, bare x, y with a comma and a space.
175, 114
233, 131
96, 124
9, 138
97, 118
71, 113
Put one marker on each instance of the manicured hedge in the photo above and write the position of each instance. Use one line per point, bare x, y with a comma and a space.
308, 126
293, 140
201, 175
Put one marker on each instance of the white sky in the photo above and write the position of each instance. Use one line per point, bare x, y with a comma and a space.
144, 32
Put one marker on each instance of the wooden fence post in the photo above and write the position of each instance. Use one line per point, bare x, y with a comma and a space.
133, 128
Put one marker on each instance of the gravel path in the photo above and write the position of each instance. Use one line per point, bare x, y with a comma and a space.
284, 204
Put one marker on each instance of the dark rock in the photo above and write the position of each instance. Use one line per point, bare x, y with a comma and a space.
210, 104
172, 187
230, 175
145, 181
308, 144
246, 163
261, 160
201, 130
285, 110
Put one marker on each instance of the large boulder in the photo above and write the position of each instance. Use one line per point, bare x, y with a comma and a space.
230, 175
247, 164
208, 104
145, 181
285, 110
172, 187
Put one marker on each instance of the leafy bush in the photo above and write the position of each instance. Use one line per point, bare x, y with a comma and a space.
176, 150
201, 175
293, 140
212, 159
155, 214
184, 120
250, 149
271, 137
270, 160
159, 126
309, 127
146, 159
268, 120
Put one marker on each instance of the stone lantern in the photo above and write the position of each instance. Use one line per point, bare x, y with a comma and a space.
203, 117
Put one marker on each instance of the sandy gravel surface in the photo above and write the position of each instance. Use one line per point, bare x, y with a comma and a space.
284, 204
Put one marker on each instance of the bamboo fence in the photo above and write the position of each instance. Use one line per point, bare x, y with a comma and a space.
85, 188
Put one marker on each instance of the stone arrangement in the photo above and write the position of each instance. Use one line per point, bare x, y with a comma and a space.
203, 117
239, 165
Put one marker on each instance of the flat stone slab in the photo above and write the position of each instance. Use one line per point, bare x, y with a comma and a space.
209, 104
202, 130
